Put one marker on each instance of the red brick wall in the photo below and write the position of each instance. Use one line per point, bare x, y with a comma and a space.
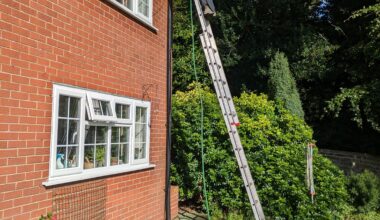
174, 201
89, 44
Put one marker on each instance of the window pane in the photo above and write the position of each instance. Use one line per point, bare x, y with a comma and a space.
143, 7
74, 107
138, 114
120, 145
122, 111
114, 154
106, 108
140, 133
89, 157
73, 157
97, 107
62, 132
63, 106
140, 150
90, 135
102, 107
118, 109
101, 134
115, 135
124, 134
60, 158
100, 156
73, 131
129, 4
123, 154
141, 115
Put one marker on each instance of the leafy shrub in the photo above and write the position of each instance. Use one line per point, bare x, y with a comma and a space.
364, 190
274, 142
366, 216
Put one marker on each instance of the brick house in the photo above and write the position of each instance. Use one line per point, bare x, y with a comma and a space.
83, 109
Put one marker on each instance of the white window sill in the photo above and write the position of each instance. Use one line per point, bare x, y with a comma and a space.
90, 175
129, 12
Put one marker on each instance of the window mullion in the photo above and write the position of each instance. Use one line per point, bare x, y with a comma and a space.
94, 159
108, 150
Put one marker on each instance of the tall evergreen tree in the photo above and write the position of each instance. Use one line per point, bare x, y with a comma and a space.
282, 85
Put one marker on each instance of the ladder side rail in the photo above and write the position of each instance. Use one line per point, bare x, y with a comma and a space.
235, 138
218, 62
232, 133
218, 84
203, 22
225, 101
205, 29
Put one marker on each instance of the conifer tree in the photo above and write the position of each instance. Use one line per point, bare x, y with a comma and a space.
282, 85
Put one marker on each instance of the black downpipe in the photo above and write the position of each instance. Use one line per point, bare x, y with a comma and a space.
168, 109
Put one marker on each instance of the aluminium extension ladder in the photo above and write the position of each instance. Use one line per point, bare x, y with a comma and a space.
228, 108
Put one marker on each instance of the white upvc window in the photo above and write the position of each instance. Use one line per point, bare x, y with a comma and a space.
140, 8
96, 134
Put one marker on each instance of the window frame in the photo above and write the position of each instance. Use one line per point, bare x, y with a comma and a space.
58, 176
150, 10
146, 159
72, 92
102, 97
124, 101
148, 20
129, 145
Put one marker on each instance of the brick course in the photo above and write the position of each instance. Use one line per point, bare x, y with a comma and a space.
88, 44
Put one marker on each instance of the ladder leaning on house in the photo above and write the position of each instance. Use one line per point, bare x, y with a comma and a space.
228, 108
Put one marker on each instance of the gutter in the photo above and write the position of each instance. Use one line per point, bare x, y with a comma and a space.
168, 109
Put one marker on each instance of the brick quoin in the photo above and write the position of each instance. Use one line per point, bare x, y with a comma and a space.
89, 44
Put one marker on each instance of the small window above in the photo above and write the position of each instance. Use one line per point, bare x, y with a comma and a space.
126, 3
141, 9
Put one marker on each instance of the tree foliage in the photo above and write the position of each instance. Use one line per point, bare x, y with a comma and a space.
282, 85
361, 93
183, 73
332, 49
273, 141
364, 189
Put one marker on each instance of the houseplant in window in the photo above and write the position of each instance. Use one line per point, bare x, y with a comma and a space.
89, 158
100, 157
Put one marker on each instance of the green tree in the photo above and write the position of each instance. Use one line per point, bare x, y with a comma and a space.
360, 92
282, 85
183, 73
364, 190
273, 141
